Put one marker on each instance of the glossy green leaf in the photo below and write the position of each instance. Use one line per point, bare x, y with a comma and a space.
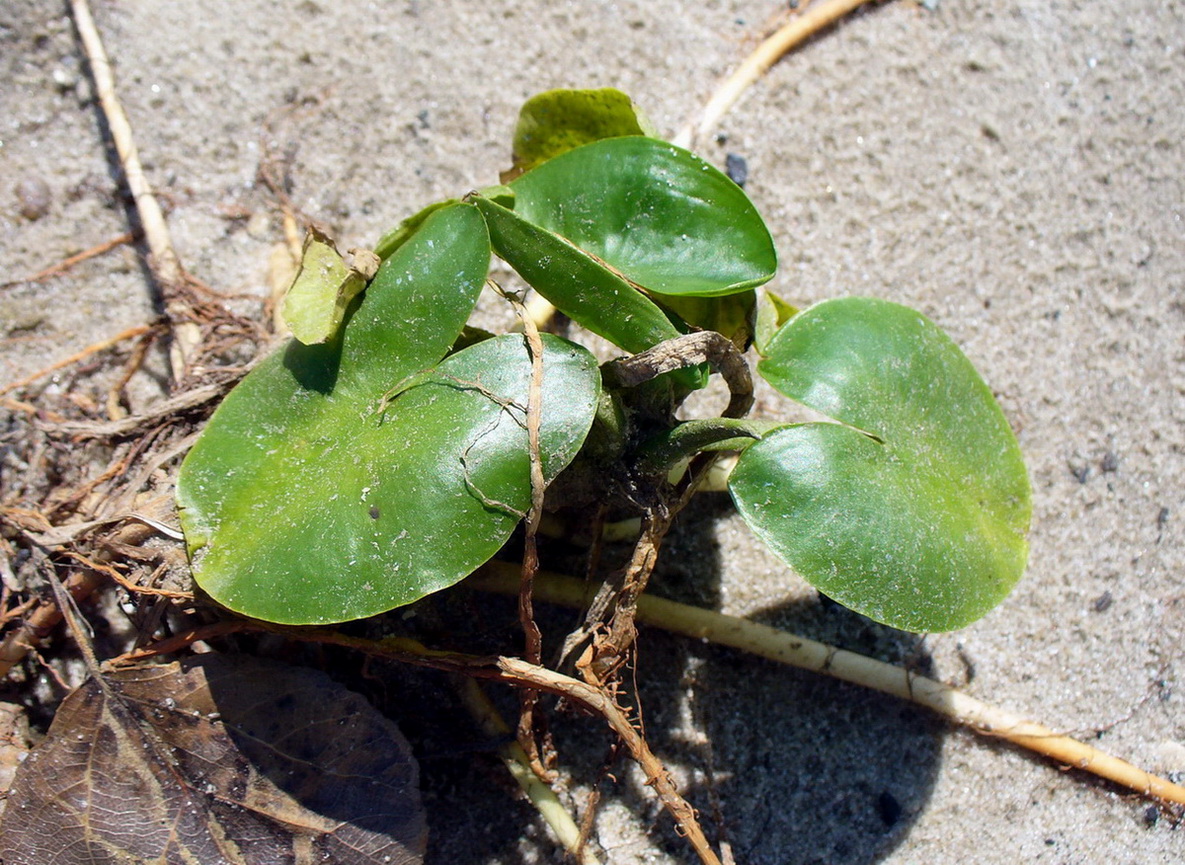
561, 120
913, 508
597, 229
305, 500
580, 286
662, 217
401, 233
323, 288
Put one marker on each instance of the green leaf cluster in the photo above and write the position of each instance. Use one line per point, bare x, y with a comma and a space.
375, 460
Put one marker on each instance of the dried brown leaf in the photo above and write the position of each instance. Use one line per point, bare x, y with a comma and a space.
216, 760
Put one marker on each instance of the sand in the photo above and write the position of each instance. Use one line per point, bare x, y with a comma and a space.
1014, 170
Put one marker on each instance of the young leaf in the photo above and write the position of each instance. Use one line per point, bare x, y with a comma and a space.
772, 313
913, 508
323, 288
731, 315
561, 120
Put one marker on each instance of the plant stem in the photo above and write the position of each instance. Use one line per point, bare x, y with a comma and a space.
796, 651
519, 765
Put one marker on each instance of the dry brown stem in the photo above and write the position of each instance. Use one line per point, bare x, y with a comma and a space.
101, 345
67, 263
163, 260
533, 639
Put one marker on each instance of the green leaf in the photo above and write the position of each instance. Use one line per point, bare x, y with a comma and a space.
598, 229
402, 232
340, 480
660, 216
913, 508
323, 288
580, 286
557, 121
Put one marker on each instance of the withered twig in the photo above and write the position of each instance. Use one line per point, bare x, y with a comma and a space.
79, 257
165, 265
796, 651
532, 638
706, 346
119, 578
40, 621
101, 345
43, 617
161, 411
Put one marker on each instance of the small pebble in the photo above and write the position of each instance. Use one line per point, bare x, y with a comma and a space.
1110, 462
34, 197
64, 79
737, 169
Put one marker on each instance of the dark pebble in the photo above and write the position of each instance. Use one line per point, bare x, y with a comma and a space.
737, 169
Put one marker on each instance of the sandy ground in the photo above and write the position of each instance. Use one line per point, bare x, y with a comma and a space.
1014, 169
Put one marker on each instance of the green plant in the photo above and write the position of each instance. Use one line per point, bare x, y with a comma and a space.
391, 456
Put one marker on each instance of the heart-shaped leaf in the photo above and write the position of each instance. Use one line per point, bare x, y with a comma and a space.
371, 508
596, 228
341, 480
913, 508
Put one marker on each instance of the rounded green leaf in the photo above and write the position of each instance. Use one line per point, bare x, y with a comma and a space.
913, 508
660, 216
296, 497
373, 504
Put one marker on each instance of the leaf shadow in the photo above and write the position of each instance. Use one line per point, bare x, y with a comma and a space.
315, 367
800, 767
